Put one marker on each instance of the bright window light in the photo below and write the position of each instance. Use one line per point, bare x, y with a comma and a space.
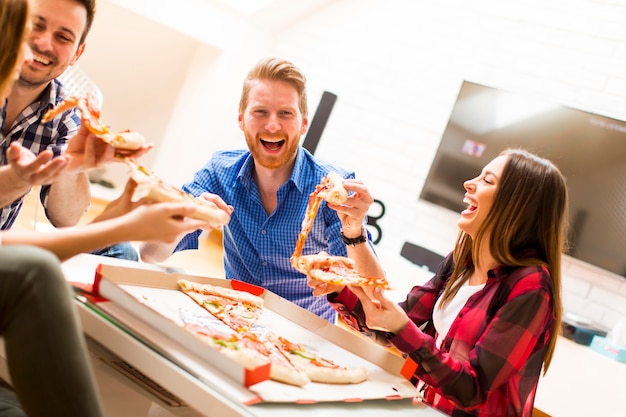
247, 6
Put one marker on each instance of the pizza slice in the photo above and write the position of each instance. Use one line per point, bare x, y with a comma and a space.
151, 187
239, 310
335, 270
317, 368
230, 344
331, 189
281, 369
90, 117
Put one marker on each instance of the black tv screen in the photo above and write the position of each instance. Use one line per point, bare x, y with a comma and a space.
589, 149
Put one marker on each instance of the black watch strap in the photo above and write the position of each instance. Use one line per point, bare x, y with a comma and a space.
362, 238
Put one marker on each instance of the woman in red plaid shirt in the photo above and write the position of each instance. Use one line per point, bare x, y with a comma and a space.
480, 331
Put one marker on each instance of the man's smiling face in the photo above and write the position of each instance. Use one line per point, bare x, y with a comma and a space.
272, 123
57, 28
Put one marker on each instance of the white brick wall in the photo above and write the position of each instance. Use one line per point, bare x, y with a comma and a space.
397, 65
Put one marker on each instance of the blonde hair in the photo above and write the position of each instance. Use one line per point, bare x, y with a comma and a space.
14, 18
276, 69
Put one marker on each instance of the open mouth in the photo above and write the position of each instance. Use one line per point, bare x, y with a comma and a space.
273, 144
471, 206
41, 60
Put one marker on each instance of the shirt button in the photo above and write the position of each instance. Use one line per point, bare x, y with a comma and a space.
263, 232
264, 263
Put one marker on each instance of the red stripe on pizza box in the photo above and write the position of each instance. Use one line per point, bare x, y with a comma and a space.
409, 368
253, 401
90, 290
353, 400
244, 286
393, 397
256, 375
305, 401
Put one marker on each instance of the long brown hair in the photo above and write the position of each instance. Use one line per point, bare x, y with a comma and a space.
14, 18
526, 226
276, 69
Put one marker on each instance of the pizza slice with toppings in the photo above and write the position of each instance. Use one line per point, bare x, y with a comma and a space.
336, 270
317, 368
239, 310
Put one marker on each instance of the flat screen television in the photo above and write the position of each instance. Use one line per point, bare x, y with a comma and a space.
589, 149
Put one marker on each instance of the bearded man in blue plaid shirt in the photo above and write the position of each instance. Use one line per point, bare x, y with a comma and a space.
266, 188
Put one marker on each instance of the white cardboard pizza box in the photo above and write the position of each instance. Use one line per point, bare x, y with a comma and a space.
149, 304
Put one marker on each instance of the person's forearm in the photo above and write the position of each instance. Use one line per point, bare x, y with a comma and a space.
68, 199
366, 261
156, 252
70, 241
11, 187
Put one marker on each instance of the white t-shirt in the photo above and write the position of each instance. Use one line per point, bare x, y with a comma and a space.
443, 318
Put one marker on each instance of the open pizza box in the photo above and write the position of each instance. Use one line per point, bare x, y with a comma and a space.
149, 304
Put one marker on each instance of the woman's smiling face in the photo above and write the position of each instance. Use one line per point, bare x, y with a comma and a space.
479, 196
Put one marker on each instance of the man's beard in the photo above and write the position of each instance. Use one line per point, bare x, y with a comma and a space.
31, 83
272, 162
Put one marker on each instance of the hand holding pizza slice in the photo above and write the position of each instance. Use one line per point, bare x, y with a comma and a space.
90, 117
151, 187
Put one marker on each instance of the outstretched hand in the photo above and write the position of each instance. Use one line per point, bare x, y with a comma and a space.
31, 169
380, 312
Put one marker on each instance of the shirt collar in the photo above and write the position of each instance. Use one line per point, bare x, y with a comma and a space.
301, 175
54, 93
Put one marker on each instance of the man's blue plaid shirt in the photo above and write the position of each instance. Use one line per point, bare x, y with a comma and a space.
258, 247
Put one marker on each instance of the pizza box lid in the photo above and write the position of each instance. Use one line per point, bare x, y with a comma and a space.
150, 303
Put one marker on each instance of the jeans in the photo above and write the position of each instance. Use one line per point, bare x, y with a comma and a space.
122, 250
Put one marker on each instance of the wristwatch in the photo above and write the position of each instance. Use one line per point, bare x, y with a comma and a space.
362, 238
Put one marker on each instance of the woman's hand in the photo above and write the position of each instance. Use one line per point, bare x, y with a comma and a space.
162, 222
380, 312
121, 205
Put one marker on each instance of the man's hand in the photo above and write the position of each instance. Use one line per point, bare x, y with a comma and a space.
353, 211
87, 151
322, 288
31, 169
